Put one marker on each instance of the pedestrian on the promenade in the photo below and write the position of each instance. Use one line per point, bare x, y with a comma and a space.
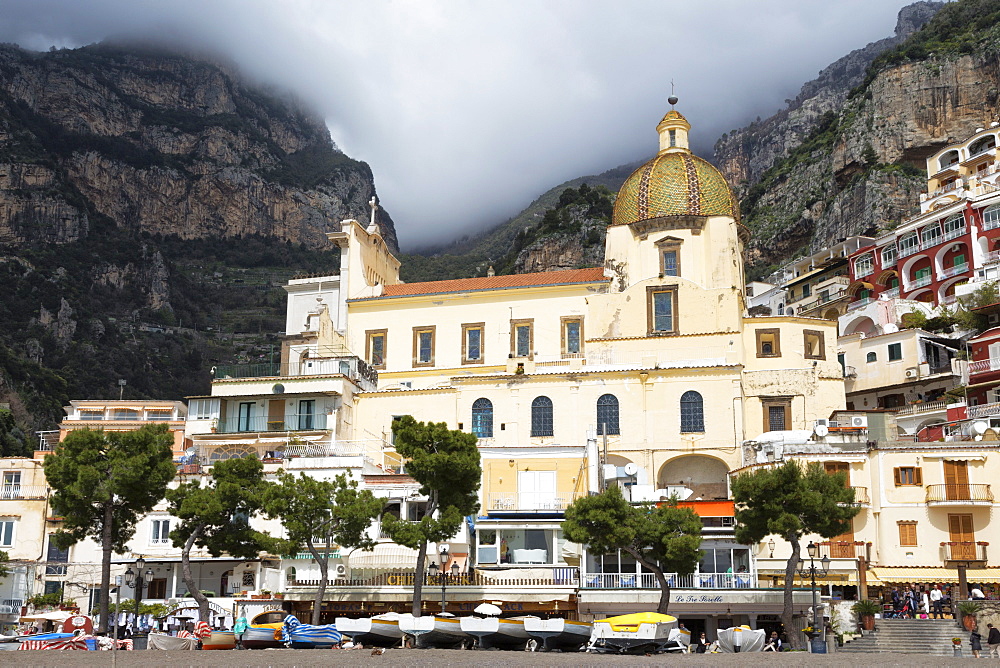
702, 644
976, 640
993, 640
937, 601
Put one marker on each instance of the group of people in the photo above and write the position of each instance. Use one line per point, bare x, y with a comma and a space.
701, 644
928, 600
992, 641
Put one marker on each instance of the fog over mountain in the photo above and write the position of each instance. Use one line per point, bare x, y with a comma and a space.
468, 110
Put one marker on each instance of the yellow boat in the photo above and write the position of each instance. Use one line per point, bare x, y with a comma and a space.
639, 633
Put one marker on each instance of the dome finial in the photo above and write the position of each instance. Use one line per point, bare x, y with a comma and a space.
673, 98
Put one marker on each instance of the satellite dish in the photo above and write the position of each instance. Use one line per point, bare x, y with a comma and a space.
821, 430
631, 469
190, 451
980, 427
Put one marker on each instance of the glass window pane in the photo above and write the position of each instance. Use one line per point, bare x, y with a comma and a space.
425, 347
378, 350
663, 311
670, 263
523, 340
541, 417
607, 415
572, 337
472, 343
482, 418
692, 412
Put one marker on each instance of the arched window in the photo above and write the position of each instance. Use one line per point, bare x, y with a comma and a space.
541, 416
290, 574
991, 217
607, 415
482, 418
871, 357
692, 412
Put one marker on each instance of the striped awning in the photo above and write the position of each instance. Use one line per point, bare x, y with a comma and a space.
935, 574
384, 556
837, 578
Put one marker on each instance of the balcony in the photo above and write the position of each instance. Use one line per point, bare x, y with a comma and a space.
846, 549
861, 497
964, 550
556, 577
984, 410
907, 251
993, 256
953, 234
991, 224
862, 272
296, 422
956, 270
47, 440
344, 365
861, 303
959, 495
648, 581
984, 366
888, 262
822, 300
526, 502
924, 407
850, 372
891, 293
23, 492
921, 282
951, 187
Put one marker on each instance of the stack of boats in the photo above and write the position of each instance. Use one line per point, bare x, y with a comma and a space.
486, 632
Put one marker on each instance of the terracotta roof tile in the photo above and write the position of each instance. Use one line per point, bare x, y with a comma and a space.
566, 277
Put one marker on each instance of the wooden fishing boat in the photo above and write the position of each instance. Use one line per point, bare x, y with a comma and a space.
443, 632
220, 640
494, 632
379, 631
558, 633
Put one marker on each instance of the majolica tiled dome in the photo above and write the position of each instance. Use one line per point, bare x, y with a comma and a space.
674, 183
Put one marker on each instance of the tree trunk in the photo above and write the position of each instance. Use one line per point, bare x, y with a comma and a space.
107, 533
188, 579
418, 576
323, 560
788, 611
661, 579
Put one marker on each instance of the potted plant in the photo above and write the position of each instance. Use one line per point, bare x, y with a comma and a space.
866, 611
956, 646
969, 610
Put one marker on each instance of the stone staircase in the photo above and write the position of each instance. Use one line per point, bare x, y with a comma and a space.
910, 636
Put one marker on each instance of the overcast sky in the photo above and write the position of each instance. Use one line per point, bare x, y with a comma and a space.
466, 110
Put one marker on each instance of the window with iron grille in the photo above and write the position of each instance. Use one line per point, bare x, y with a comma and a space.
482, 418
692, 412
541, 416
607, 415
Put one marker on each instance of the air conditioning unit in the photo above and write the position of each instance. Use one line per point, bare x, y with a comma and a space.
859, 421
340, 571
912, 372
821, 421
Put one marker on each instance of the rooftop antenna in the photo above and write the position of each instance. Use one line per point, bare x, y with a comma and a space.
673, 98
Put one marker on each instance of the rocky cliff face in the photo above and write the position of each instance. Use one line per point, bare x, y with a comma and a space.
859, 166
151, 206
743, 155
166, 145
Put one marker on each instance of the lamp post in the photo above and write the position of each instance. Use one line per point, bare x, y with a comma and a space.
819, 642
435, 569
138, 580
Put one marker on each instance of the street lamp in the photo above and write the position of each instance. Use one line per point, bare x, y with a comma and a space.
770, 545
435, 569
137, 580
813, 549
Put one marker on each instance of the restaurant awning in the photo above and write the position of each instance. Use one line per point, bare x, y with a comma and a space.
384, 556
935, 574
839, 578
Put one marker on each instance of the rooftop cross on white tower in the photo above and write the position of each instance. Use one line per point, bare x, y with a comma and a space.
372, 227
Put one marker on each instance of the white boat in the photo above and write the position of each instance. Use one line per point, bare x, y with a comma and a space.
558, 633
496, 632
741, 639
379, 631
640, 633
433, 631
